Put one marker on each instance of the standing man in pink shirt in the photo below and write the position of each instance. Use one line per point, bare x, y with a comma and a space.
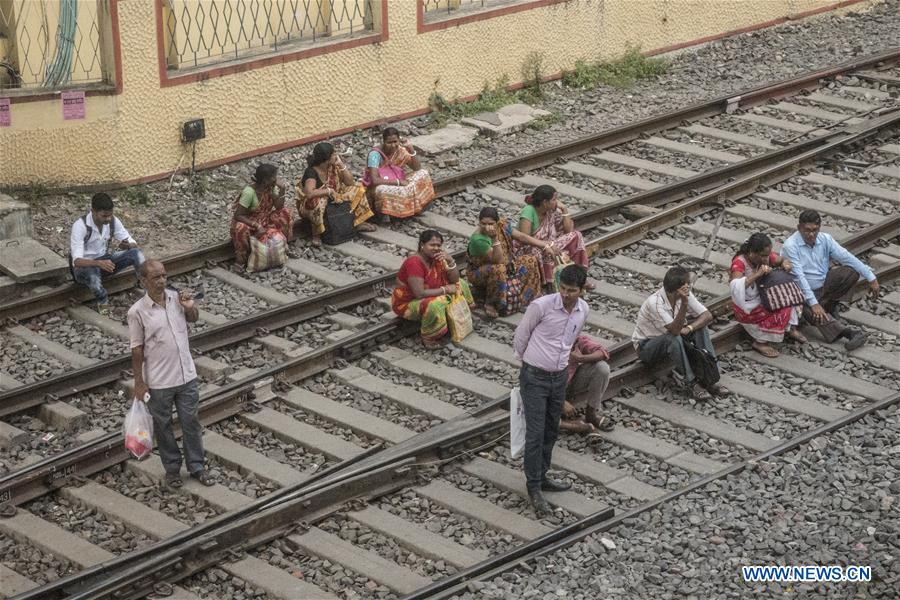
543, 341
162, 365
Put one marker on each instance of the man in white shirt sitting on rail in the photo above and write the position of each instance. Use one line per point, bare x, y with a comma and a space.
89, 256
667, 320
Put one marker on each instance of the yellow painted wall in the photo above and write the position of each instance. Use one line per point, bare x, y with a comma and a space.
135, 134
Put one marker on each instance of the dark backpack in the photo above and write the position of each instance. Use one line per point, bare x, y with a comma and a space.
704, 364
338, 223
87, 236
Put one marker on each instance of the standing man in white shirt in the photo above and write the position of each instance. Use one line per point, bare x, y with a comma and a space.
89, 248
543, 342
163, 367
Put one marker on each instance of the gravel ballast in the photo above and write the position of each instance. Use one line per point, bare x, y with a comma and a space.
830, 502
159, 222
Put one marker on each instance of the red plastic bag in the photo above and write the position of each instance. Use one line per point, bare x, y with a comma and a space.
138, 430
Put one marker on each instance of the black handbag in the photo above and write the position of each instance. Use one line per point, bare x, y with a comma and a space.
704, 364
779, 289
338, 223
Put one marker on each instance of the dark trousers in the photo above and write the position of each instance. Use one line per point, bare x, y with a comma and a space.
186, 399
838, 282
654, 350
92, 277
543, 394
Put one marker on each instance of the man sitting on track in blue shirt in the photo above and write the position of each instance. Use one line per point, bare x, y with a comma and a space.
811, 253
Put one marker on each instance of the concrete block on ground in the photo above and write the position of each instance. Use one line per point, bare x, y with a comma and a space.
262, 292
8, 287
12, 584
217, 495
276, 582
8, 382
210, 368
15, 218
11, 436
48, 346
446, 138
53, 539
25, 259
89, 436
242, 374
276, 344
105, 324
509, 119
336, 336
62, 415
347, 321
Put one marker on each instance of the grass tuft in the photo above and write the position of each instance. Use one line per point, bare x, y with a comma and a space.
621, 73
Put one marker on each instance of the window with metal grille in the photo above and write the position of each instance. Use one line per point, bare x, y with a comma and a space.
200, 33
441, 9
54, 44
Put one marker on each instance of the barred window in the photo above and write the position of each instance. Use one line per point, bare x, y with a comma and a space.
436, 10
54, 44
199, 33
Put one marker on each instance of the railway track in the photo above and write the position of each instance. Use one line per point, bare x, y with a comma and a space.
369, 522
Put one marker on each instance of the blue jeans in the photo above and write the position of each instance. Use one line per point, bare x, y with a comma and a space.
186, 399
543, 394
92, 276
654, 350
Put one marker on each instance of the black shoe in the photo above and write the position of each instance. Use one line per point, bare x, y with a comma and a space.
539, 503
855, 339
555, 485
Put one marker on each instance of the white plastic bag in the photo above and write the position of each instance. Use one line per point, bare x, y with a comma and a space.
516, 424
139, 430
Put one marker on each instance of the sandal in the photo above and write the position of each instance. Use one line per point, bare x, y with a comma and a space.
796, 336
430, 345
605, 424
173, 480
203, 477
366, 227
765, 350
575, 426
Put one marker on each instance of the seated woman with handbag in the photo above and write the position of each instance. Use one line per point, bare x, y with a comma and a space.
391, 191
427, 283
325, 180
504, 282
754, 261
260, 213
545, 219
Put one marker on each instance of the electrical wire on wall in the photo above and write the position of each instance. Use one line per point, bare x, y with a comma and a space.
59, 71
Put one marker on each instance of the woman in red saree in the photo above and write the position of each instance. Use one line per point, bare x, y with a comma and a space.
426, 284
753, 260
259, 211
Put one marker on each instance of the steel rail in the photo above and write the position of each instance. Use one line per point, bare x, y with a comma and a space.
746, 175
448, 439
589, 525
63, 295
57, 471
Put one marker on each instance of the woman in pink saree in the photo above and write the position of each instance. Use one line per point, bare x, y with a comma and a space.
545, 218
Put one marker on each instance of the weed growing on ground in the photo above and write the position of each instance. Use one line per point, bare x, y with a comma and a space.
136, 194
542, 123
622, 72
532, 68
490, 99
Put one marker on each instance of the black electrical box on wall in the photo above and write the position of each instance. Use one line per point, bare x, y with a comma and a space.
193, 130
